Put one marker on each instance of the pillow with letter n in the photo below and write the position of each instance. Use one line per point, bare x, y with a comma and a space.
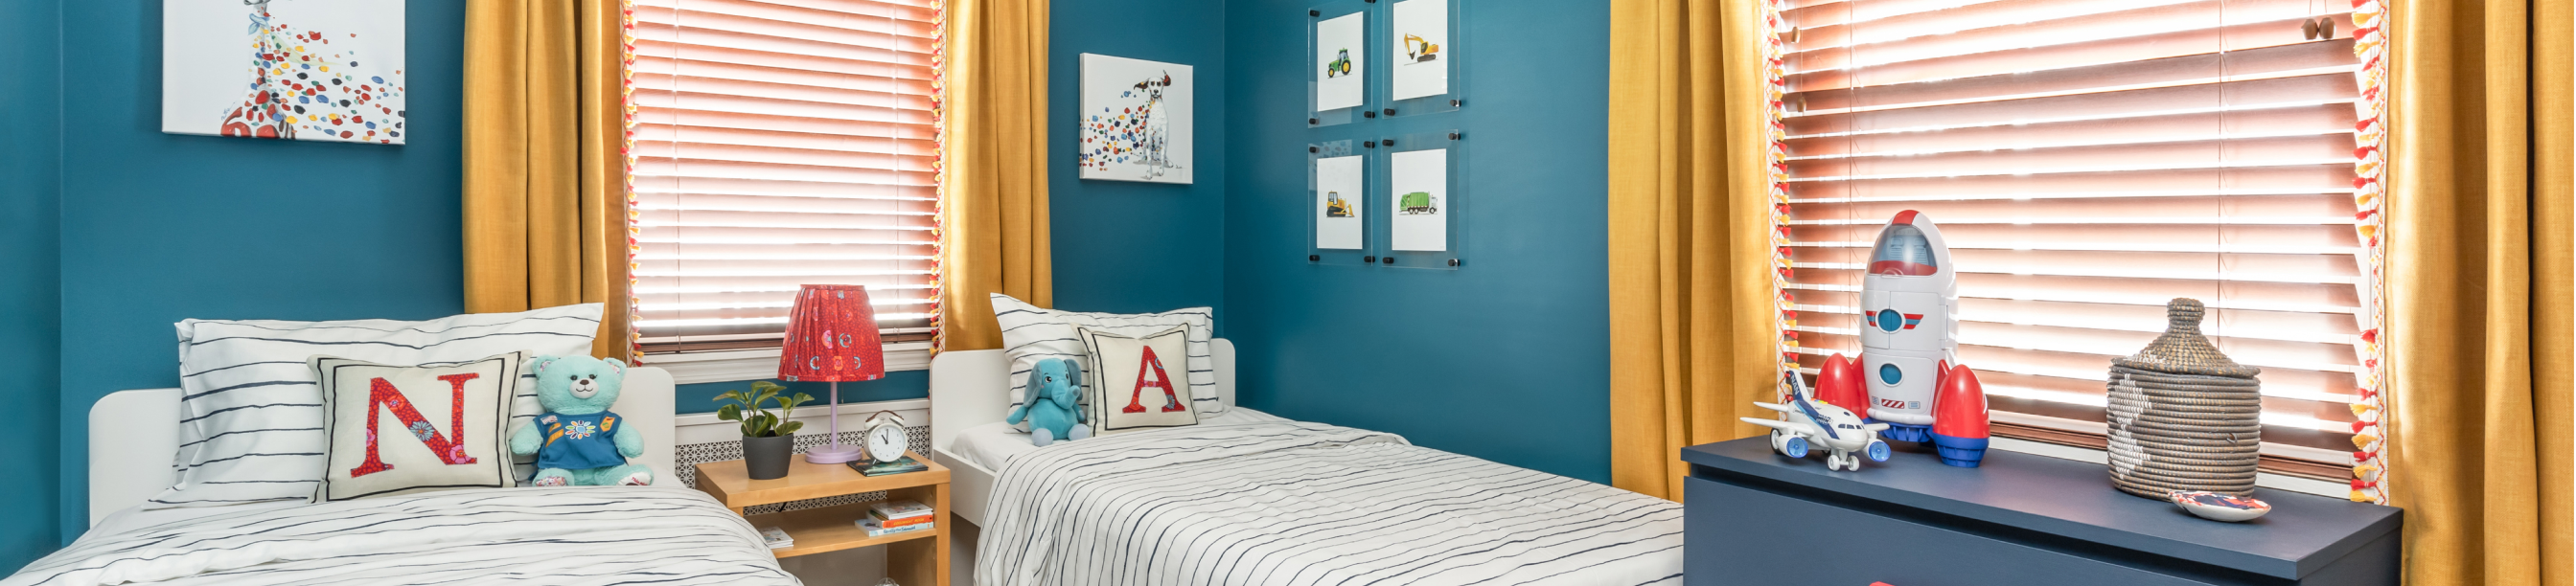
1132, 384
250, 427
405, 429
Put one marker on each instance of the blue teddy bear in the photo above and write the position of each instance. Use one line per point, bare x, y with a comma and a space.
1049, 404
578, 442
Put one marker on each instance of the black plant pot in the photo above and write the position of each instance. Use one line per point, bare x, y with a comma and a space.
767, 457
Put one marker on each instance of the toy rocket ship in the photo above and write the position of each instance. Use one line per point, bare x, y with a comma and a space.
1908, 372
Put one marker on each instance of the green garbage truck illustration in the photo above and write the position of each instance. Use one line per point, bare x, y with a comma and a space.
1419, 202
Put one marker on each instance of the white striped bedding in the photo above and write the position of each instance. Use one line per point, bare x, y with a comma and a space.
664, 536
1295, 503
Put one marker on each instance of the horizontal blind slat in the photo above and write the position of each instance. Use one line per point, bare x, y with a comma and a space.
660, 56
758, 105
2309, 120
2253, 97
684, 119
2192, 70
883, 92
870, 144
786, 156
888, 40
2172, 154
678, 184
648, 165
914, 10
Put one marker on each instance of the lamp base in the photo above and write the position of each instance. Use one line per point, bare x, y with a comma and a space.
833, 454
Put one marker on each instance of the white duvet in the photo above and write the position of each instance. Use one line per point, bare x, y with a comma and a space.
570, 535
1293, 503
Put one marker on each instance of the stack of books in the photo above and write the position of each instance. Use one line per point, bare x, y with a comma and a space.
892, 517
777, 538
870, 467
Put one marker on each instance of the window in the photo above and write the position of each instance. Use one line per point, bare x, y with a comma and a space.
2086, 161
776, 144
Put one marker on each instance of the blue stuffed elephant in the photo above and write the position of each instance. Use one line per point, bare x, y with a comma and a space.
1049, 403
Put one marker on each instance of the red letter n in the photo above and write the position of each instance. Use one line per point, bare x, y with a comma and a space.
384, 395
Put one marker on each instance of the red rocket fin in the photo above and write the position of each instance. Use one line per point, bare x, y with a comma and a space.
1959, 405
1839, 383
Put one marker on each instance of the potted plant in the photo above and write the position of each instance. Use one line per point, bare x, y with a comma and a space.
768, 439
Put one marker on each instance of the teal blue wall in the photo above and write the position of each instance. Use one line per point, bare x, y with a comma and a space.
30, 284
1131, 247
1506, 359
161, 227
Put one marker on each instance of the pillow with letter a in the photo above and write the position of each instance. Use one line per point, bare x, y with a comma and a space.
1132, 381
1031, 334
404, 429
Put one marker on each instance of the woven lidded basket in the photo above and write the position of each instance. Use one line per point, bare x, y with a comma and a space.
2182, 415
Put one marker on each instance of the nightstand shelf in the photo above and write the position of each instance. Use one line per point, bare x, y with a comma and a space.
919, 557
830, 529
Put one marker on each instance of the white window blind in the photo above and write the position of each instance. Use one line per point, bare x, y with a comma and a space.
2089, 160
776, 144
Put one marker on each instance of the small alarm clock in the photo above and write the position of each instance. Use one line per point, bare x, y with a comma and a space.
886, 438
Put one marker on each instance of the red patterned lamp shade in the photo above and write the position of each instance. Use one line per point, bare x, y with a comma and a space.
832, 337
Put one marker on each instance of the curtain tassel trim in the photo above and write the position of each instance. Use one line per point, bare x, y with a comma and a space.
2368, 190
939, 170
1776, 155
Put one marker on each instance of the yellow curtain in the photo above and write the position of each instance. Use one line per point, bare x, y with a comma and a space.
1692, 337
993, 214
545, 185
2478, 315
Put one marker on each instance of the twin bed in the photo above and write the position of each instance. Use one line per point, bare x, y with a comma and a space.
663, 534
1243, 498
1248, 498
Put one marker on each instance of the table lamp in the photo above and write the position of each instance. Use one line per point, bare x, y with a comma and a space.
832, 337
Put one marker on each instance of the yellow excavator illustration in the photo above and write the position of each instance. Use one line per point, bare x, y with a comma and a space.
1420, 50
1335, 206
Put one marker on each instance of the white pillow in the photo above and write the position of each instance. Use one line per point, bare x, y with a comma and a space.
392, 430
251, 416
1136, 372
1031, 333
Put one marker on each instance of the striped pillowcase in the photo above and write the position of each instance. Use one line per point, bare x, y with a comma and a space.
1031, 333
251, 414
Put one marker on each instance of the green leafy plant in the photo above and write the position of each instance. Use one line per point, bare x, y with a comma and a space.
758, 422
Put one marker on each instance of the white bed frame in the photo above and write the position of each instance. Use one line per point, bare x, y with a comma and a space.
127, 462
969, 388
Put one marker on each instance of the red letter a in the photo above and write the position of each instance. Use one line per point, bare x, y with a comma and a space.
1172, 401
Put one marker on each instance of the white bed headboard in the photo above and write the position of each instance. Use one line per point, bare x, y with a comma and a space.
125, 465
972, 387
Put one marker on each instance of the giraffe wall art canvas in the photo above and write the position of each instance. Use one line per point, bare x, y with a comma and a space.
328, 70
1135, 120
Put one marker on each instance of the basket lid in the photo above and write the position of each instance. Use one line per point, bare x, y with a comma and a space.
2182, 349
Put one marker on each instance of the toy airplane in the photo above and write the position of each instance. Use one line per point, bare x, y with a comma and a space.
1810, 422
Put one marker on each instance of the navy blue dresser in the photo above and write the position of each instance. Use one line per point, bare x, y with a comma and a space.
1756, 517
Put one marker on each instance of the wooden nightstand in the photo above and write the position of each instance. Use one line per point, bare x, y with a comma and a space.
919, 558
